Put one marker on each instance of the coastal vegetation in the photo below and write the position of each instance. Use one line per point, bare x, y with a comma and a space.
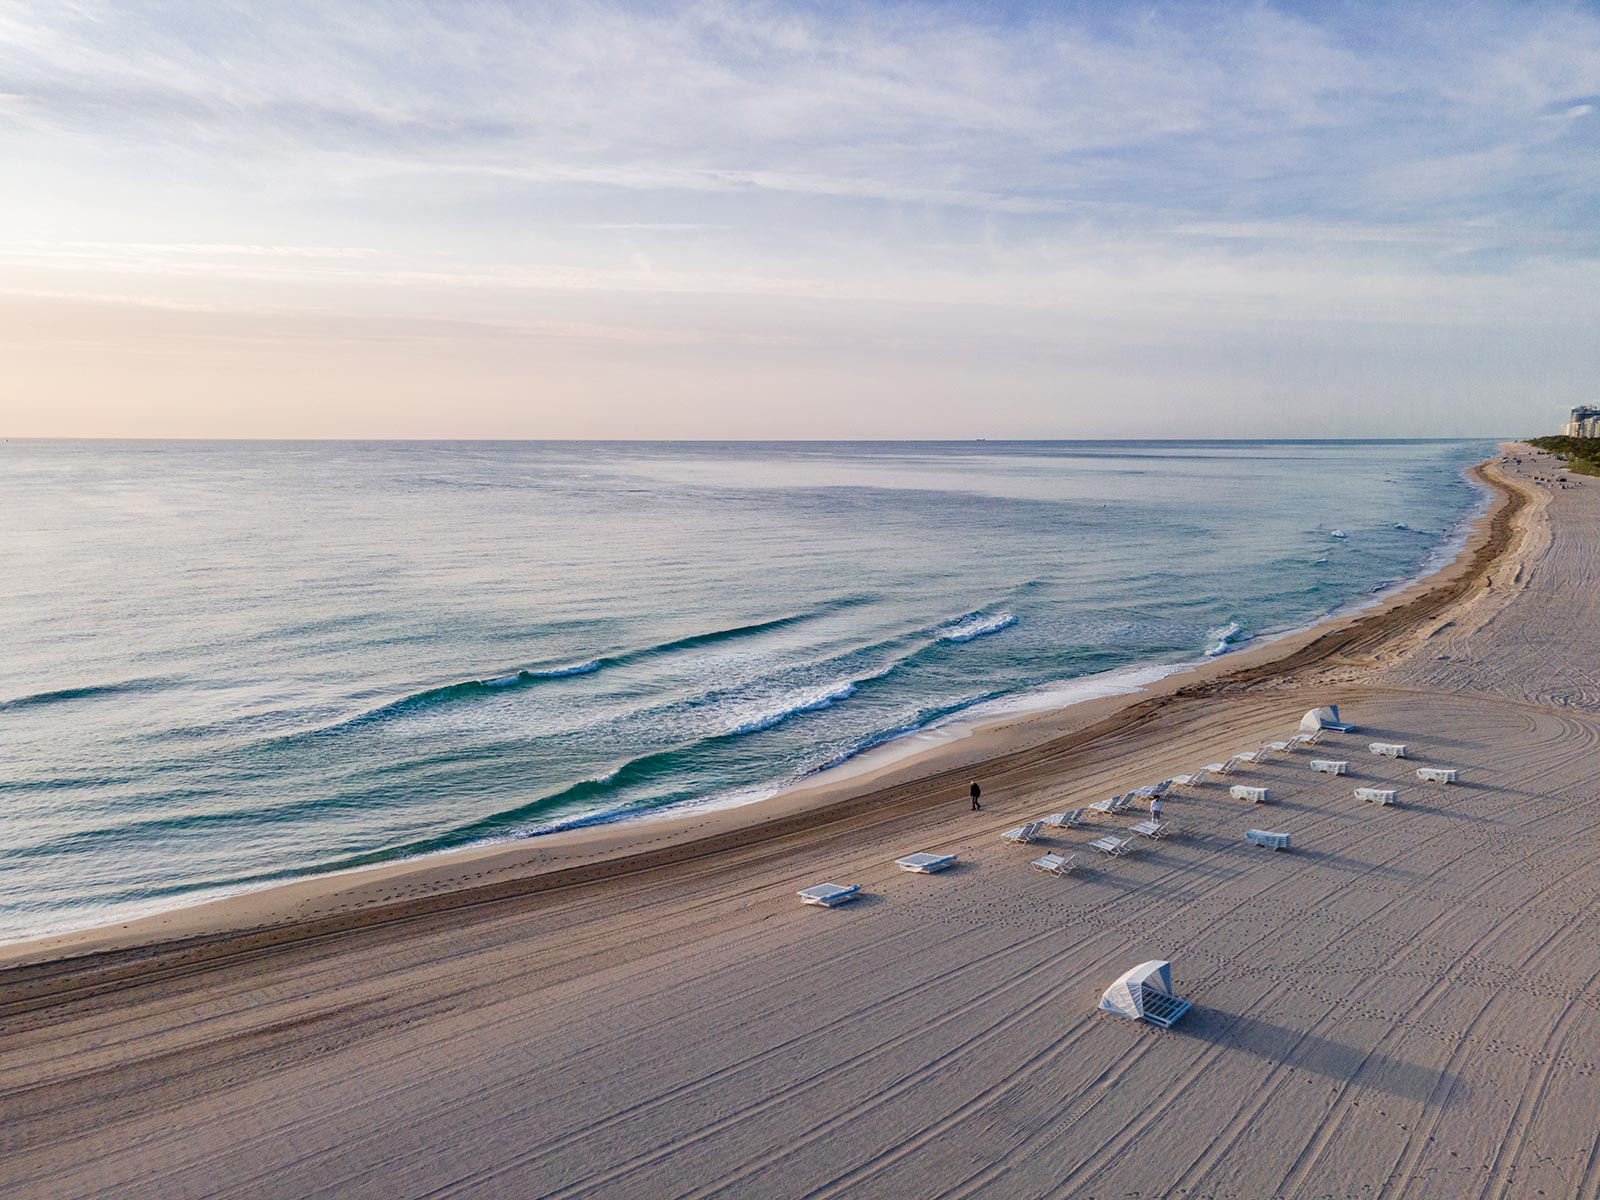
1581, 454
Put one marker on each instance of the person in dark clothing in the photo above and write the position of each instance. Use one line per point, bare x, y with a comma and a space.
976, 792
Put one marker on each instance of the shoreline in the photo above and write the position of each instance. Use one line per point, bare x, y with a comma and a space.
1005, 710
317, 906
880, 752
1398, 1004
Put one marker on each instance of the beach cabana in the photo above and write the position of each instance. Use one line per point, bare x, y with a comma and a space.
1326, 717
1145, 994
829, 894
924, 863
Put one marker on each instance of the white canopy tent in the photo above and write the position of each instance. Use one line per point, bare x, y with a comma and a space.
1125, 997
1326, 717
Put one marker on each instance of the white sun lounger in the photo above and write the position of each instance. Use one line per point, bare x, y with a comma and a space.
1191, 780
1070, 819
1113, 804
1265, 837
1329, 766
1056, 864
1388, 749
1376, 795
1303, 739
1114, 846
1152, 829
1256, 795
1273, 748
829, 894
1022, 835
924, 863
1436, 775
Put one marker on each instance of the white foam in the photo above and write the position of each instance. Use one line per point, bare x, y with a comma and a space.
1226, 638
800, 702
968, 628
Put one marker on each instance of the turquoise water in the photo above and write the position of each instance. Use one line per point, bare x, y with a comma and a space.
226, 664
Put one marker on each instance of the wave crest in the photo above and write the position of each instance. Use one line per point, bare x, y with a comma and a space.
976, 625
531, 676
1224, 639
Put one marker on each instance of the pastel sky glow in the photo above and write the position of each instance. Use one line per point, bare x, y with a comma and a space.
408, 219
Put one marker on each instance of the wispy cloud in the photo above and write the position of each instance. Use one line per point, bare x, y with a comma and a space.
1231, 166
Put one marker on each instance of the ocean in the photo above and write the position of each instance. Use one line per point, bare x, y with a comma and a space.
224, 665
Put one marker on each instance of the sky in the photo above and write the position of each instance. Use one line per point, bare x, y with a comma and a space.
354, 218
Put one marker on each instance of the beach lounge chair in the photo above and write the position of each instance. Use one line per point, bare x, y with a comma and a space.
1273, 748
1303, 739
1145, 994
1256, 795
1376, 795
1115, 804
1388, 749
1330, 766
1024, 834
924, 863
1194, 779
1109, 845
1152, 829
1436, 774
1326, 717
1265, 837
1056, 864
829, 894
1228, 768
1070, 819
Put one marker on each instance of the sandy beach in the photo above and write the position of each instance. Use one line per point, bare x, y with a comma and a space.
1404, 1005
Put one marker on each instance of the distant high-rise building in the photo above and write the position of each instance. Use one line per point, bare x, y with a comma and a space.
1585, 422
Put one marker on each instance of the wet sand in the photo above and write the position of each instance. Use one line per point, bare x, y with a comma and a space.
1404, 1005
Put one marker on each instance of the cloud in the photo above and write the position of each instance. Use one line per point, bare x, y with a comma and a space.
1231, 168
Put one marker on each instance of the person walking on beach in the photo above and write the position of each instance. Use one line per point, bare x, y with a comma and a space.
1155, 808
975, 792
